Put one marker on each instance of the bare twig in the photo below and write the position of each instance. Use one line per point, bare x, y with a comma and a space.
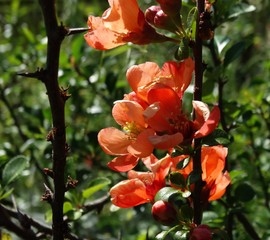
197, 95
55, 34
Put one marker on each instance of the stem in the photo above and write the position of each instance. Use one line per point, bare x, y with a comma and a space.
55, 36
197, 95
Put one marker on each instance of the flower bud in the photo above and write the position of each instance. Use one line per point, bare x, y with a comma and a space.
171, 7
150, 13
164, 212
156, 17
202, 232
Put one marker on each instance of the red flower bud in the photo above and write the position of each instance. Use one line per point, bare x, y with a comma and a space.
202, 232
164, 212
150, 13
156, 17
171, 7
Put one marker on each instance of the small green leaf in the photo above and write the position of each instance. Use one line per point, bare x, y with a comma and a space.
217, 137
14, 168
5, 194
186, 213
166, 194
182, 164
244, 192
96, 185
177, 179
241, 8
193, 177
67, 207
5, 236
234, 52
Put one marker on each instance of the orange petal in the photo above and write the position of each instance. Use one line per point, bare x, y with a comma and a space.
142, 147
181, 74
103, 39
210, 123
128, 111
166, 141
129, 193
169, 105
220, 186
123, 17
113, 141
123, 163
213, 162
140, 76
146, 177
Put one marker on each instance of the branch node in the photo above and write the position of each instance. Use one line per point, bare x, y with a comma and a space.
64, 93
71, 183
48, 195
48, 172
51, 134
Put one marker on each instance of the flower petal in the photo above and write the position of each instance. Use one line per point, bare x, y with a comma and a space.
140, 76
128, 111
213, 162
129, 193
123, 163
181, 74
169, 106
113, 141
220, 186
166, 141
209, 124
142, 147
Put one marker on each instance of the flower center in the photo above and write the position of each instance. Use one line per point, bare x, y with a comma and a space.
132, 129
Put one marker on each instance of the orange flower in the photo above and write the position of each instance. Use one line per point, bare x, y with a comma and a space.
213, 162
141, 187
165, 116
123, 22
175, 75
130, 144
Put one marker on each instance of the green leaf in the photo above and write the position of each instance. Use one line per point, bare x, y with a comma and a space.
193, 177
217, 137
177, 179
5, 194
166, 194
186, 213
14, 168
234, 52
67, 207
241, 8
182, 164
244, 192
96, 185
5, 236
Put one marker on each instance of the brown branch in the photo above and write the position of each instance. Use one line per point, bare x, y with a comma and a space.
197, 95
248, 227
55, 36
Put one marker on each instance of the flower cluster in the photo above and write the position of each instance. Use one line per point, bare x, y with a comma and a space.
152, 117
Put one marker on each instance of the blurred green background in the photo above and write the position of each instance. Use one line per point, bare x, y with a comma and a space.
95, 80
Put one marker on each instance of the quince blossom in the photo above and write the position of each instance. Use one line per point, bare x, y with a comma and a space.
121, 23
132, 143
172, 126
213, 162
176, 75
141, 187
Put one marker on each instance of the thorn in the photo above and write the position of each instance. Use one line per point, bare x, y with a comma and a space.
48, 195
64, 93
48, 172
38, 74
72, 31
